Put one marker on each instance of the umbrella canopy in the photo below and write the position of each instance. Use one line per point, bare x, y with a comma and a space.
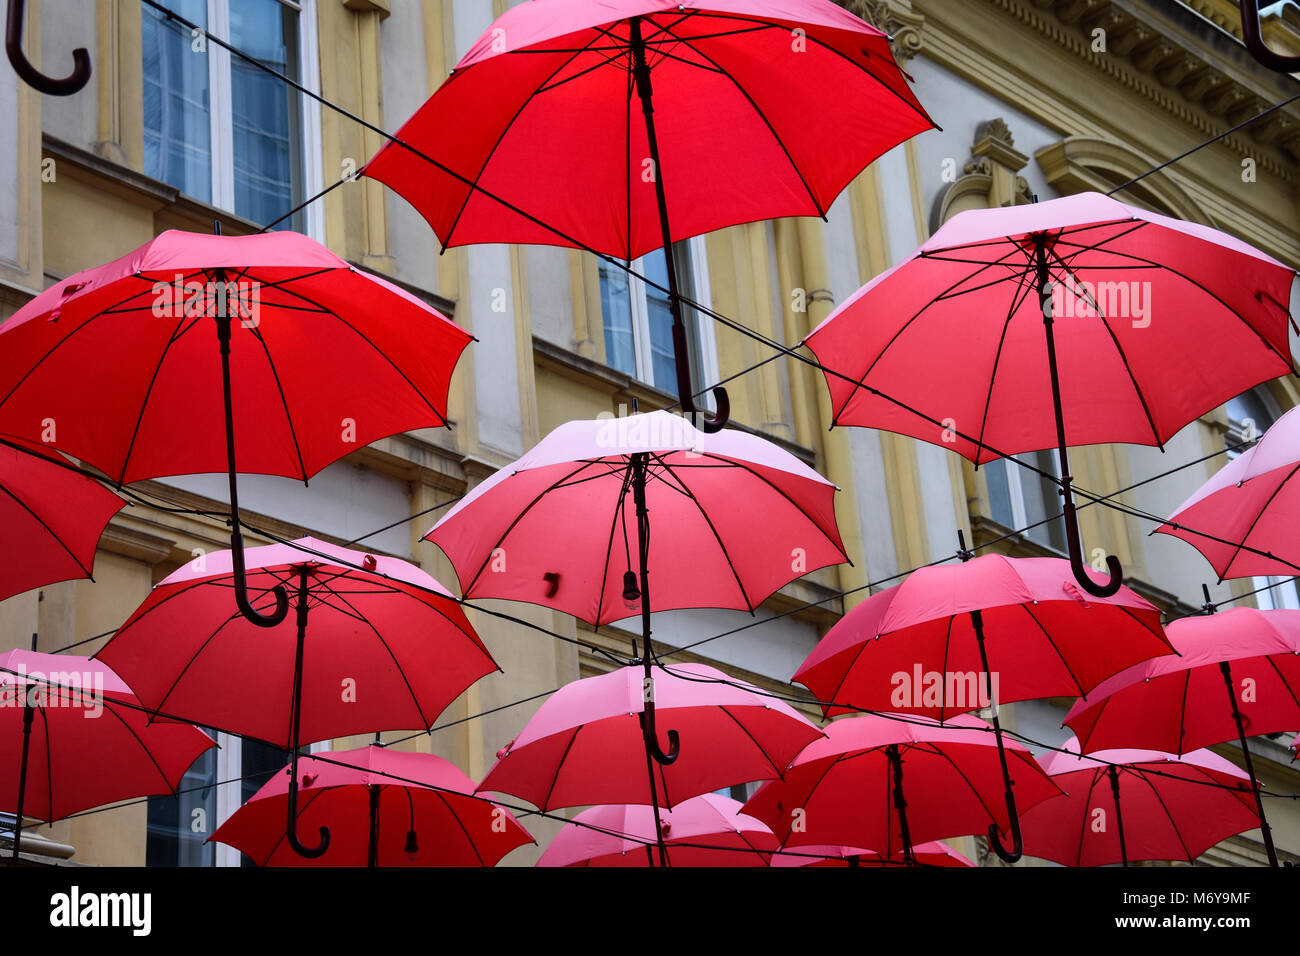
386, 807
386, 647
1134, 297
90, 742
547, 119
708, 830
913, 649
123, 358
558, 528
51, 518
844, 789
1159, 806
1250, 503
931, 853
1179, 704
584, 746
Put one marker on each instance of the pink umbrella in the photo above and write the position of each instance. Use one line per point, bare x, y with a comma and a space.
708, 830
1069, 322
93, 743
848, 789
1177, 704
584, 745
1123, 805
933, 853
1246, 515
388, 648
383, 808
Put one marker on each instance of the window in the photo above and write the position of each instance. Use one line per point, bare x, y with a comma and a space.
1019, 497
218, 128
638, 320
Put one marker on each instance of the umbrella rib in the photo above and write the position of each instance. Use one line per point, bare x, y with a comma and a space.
1017, 300
519, 517
144, 402
193, 657
1087, 806
41, 521
1285, 683
1236, 551
1064, 663
284, 402
302, 811
979, 797
844, 678
559, 768
1187, 852
143, 746
627, 166
619, 508
745, 730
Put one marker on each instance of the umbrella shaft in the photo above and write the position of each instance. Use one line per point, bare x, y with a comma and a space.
372, 856
1250, 766
1119, 814
900, 804
29, 712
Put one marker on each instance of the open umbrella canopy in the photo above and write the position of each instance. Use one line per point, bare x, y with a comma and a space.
912, 648
424, 814
842, 790
385, 647
1179, 703
1135, 297
548, 119
708, 830
1169, 807
931, 853
51, 518
732, 518
91, 742
120, 364
1250, 503
584, 746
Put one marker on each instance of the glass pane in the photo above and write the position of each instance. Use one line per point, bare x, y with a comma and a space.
177, 131
999, 493
258, 763
663, 368
616, 312
266, 112
1042, 499
178, 826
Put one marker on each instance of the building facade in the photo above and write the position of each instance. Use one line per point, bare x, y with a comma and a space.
1036, 98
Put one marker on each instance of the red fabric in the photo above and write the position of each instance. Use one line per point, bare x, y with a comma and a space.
584, 745
51, 519
91, 742
932, 853
1044, 636
1253, 501
417, 791
386, 649
954, 333
337, 359
1180, 704
560, 135
563, 507
708, 830
1168, 808
839, 790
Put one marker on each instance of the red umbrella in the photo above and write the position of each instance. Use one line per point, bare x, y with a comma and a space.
1123, 805
920, 647
382, 808
376, 644
1244, 518
1069, 322
583, 746
93, 743
51, 518
141, 366
891, 781
735, 126
933, 853
708, 830
1179, 704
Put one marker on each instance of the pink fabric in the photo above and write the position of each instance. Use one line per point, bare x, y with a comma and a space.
912, 648
91, 742
932, 853
417, 791
713, 829
330, 360
584, 745
554, 133
839, 790
1253, 502
1172, 808
753, 518
386, 648
954, 333
1180, 704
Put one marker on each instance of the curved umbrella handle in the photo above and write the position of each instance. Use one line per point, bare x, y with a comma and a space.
1252, 34
652, 738
245, 606
291, 830
1017, 840
1075, 547
72, 83
685, 396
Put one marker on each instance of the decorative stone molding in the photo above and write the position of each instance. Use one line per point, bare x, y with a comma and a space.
1083, 163
895, 17
989, 179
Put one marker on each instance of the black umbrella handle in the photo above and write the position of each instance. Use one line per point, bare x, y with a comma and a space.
1017, 840
1252, 34
72, 83
295, 732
